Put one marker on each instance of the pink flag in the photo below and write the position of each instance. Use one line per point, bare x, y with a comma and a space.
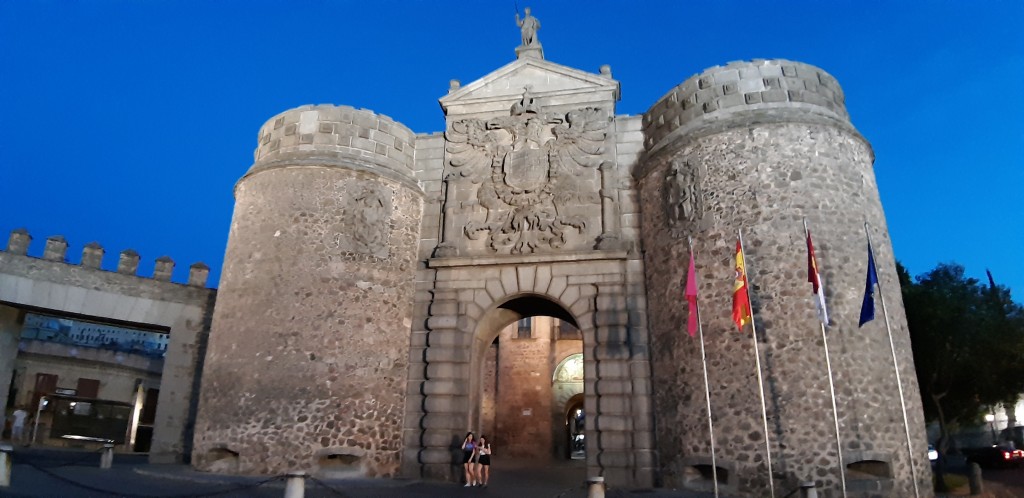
691, 297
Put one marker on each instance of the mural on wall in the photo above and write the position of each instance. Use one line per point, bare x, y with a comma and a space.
94, 335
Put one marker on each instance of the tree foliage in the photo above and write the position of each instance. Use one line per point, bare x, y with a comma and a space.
968, 343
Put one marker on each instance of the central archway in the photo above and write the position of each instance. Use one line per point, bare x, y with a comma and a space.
472, 320
516, 398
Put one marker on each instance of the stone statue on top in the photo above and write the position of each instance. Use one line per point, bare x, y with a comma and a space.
530, 47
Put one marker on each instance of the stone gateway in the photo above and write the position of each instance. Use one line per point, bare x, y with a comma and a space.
522, 275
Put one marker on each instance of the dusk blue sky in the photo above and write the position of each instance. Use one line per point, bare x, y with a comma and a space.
129, 122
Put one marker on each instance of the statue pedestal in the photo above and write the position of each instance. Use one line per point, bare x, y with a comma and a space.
534, 51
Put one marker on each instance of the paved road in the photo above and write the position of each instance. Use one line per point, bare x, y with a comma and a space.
55, 473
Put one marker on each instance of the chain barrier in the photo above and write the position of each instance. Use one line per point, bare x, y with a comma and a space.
324, 485
107, 492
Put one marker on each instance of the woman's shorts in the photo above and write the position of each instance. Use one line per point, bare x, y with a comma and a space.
466, 455
485, 460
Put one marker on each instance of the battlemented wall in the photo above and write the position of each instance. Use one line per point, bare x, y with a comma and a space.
763, 165
315, 293
85, 290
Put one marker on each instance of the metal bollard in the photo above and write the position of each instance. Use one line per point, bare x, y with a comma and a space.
974, 480
595, 487
295, 485
808, 490
107, 457
6, 453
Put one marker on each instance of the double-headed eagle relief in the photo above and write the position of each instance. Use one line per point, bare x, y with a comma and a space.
534, 171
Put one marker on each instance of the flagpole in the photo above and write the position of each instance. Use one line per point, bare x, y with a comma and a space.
707, 386
757, 361
831, 386
896, 367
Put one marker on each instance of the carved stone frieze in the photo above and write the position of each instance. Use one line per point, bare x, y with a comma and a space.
683, 195
528, 169
365, 214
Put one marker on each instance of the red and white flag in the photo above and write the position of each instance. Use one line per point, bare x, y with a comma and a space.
691, 298
815, 279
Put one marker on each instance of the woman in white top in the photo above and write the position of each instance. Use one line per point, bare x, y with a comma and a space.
483, 465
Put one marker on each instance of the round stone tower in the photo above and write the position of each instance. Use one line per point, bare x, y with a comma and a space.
308, 351
760, 147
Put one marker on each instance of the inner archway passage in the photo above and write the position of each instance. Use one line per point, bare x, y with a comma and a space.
521, 393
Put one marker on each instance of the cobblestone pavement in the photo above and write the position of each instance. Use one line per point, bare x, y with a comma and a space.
69, 473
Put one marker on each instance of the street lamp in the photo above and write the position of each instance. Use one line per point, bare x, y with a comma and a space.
991, 419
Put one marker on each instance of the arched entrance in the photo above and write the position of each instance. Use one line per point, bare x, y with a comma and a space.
471, 370
522, 376
574, 433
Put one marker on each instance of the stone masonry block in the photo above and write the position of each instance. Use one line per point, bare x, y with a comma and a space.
92, 255
364, 119
731, 101
56, 248
580, 307
364, 144
163, 269
526, 276
752, 98
751, 85
604, 352
509, 280
773, 96
728, 75
612, 369
558, 285
604, 422
707, 95
614, 439
495, 289
128, 262
482, 298
441, 354
441, 421
445, 370
605, 387
542, 280
444, 387
570, 295
730, 88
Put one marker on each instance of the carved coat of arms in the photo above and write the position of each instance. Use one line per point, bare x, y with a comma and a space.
530, 167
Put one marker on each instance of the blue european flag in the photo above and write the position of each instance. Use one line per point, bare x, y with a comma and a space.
867, 310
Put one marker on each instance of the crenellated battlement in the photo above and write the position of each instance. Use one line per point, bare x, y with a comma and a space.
92, 257
343, 132
781, 89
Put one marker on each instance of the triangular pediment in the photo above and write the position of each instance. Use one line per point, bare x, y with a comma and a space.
545, 80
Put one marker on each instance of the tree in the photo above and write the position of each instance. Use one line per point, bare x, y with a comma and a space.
968, 344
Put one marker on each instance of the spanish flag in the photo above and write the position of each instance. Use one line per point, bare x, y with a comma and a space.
740, 298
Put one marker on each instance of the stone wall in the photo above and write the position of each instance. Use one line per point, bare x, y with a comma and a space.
308, 353
764, 170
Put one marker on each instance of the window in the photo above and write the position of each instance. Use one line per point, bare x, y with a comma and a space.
525, 328
566, 330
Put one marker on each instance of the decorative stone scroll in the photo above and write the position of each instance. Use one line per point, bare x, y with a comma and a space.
530, 167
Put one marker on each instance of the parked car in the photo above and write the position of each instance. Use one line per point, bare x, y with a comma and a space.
995, 456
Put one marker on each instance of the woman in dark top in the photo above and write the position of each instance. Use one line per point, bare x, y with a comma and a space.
468, 455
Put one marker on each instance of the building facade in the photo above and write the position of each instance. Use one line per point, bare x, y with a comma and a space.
376, 283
